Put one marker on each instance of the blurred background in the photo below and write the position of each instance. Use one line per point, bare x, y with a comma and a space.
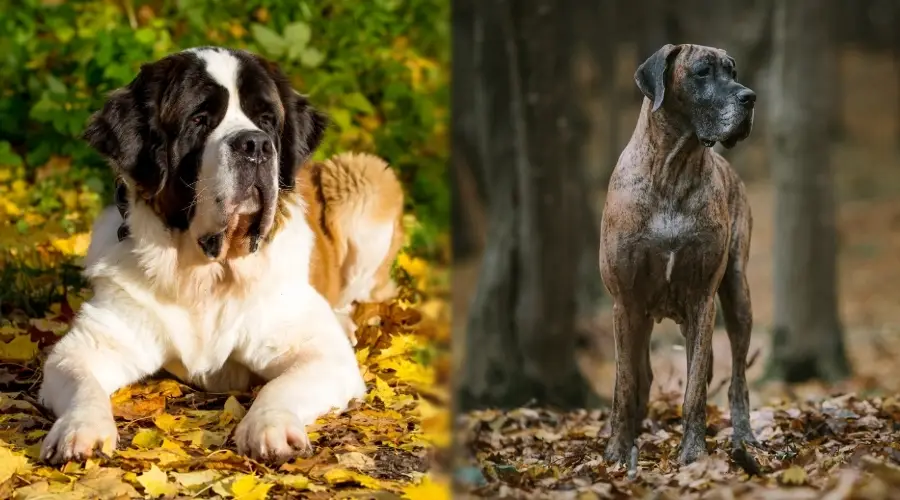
379, 69
536, 135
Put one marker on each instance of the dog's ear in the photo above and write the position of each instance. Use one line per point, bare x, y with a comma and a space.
651, 74
125, 131
304, 129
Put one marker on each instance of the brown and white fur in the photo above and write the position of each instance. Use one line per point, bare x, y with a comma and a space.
355, 208
208, 143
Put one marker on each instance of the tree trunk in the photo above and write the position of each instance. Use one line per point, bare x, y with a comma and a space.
466, 184
808, 337
522, 331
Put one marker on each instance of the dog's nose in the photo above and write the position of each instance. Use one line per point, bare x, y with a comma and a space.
746, 97
253, 145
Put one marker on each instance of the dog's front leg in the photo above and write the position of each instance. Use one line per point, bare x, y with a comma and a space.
84, 368
698, 333
311, 369
633, 377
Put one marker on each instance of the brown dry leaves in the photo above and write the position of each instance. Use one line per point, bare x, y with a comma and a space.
844, 447
176, 441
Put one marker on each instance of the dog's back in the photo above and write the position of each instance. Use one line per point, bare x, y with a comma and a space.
355, 206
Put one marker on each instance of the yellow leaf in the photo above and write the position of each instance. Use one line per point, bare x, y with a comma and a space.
400, 345
409, 372
794, 475
11, 463
203, 438
293, 481
196, 480
169, 423
233, 411
69, 199
156, 483
246, 487
10, 208
427, 490
414, 266
147, 438
20, 348
162, 457
435, 423
75, 245
342, 476
362, 355
382, 391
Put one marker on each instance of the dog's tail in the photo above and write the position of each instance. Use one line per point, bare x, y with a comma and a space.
362, 202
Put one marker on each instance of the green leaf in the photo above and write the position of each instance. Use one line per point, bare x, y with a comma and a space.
297, 33
145, 36
341, 118
270, 41
358, 102
55, 86
311, 58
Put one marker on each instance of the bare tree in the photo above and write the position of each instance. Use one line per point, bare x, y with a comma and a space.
808, 338
540, 262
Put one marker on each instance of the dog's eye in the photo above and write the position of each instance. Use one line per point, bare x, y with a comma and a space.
200, 119
704, 71
267, 119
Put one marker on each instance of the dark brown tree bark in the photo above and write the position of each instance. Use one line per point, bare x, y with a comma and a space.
535, 280
466, 184
808, 338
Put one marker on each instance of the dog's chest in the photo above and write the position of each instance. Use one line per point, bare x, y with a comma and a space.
203, 338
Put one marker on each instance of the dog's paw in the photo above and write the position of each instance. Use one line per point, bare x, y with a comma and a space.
272, 435
80, 434
692, 450
617, 451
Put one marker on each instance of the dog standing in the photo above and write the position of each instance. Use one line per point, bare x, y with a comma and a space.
676, 231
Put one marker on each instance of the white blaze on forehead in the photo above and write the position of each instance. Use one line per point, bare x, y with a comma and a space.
224, 68
218, 175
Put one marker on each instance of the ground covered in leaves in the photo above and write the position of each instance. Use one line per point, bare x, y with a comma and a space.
844, 447
175, 441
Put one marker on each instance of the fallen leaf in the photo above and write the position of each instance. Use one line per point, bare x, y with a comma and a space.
247, 487
427, 490
342, 476
356, 460
156, 483
11, 463
196, 480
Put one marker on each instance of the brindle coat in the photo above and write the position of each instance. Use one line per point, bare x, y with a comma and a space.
675, 231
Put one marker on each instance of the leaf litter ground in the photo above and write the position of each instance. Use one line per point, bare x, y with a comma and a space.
830, 441
175, 441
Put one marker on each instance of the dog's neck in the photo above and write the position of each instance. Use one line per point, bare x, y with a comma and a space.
180, 272
676, 151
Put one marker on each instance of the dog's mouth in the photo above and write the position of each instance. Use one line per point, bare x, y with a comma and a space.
741, 132
247, 220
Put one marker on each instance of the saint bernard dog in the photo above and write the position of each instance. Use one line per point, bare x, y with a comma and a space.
231, 258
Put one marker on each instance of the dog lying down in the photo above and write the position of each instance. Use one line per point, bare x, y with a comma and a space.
233, 260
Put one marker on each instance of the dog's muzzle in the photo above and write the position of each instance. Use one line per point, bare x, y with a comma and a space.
254, 194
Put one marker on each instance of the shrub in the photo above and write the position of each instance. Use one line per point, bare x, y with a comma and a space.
378, 67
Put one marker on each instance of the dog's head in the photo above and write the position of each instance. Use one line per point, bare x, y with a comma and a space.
207, 138
697, 86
